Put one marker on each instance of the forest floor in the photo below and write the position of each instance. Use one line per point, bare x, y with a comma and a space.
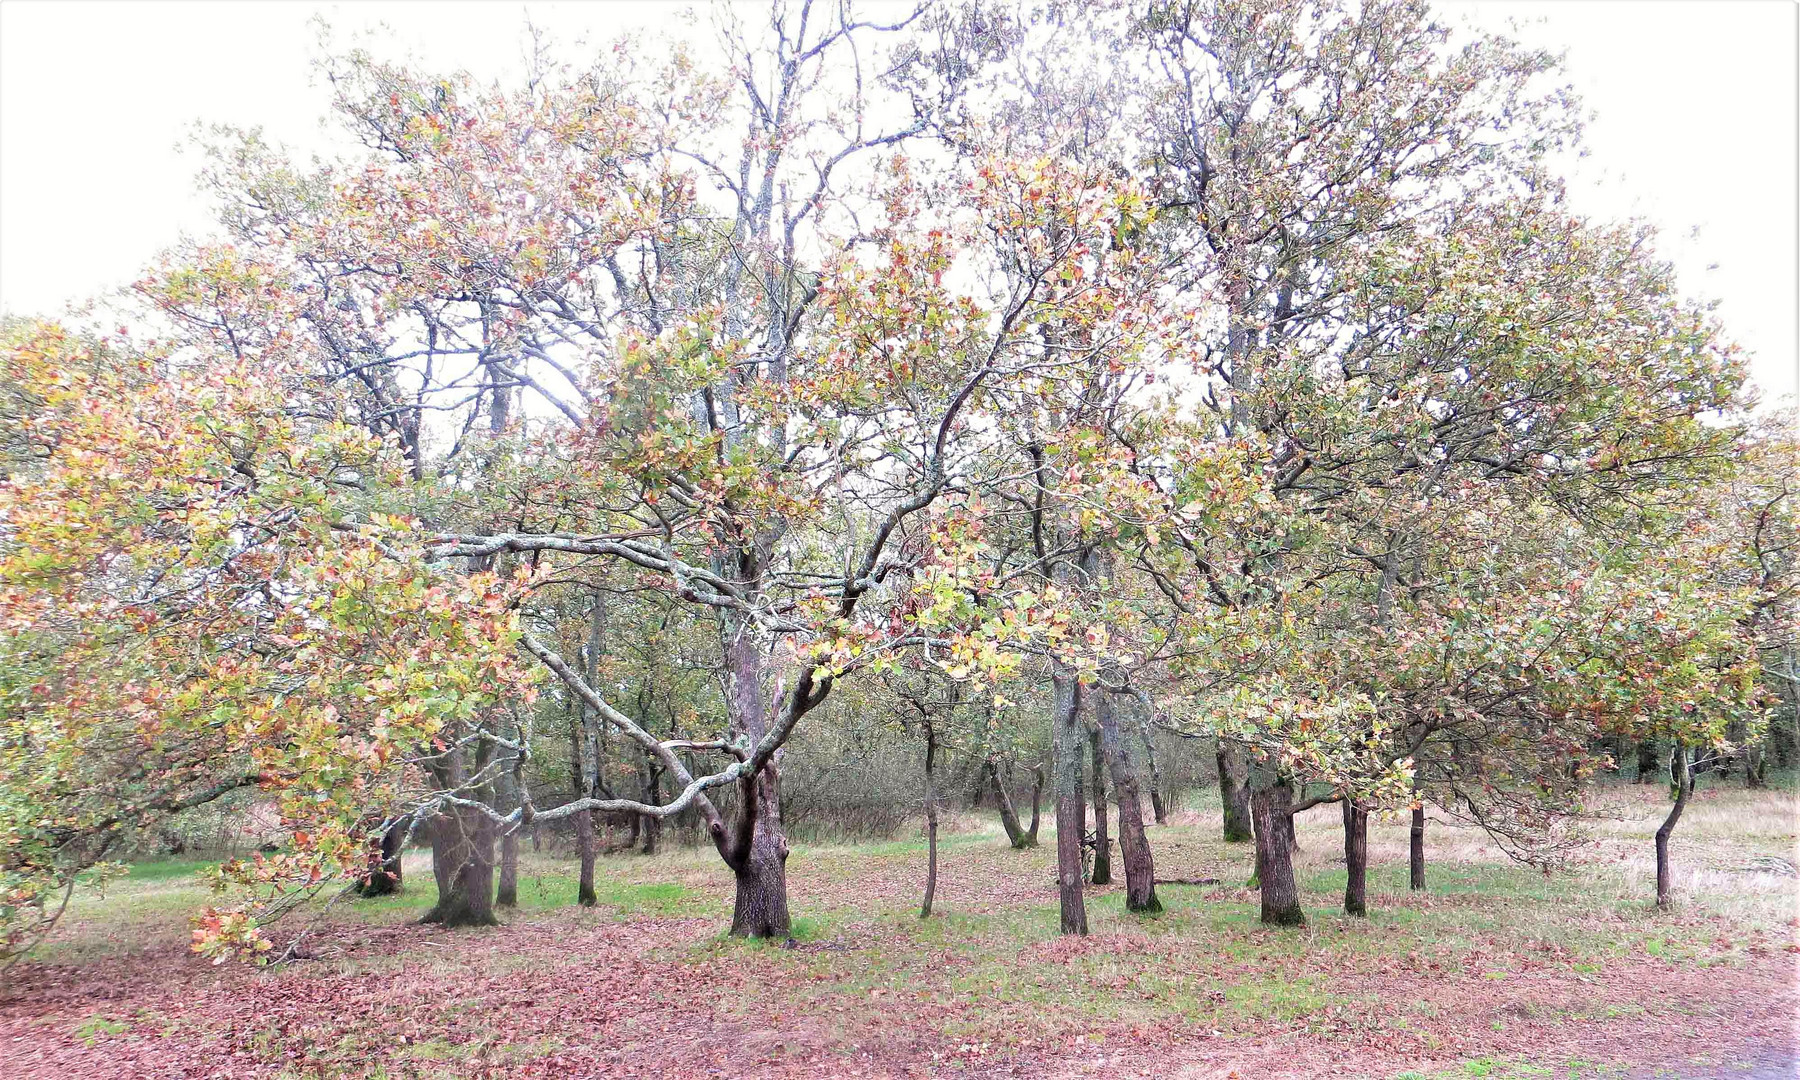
1495, 971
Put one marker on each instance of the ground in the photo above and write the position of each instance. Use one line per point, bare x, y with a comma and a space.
1497, 971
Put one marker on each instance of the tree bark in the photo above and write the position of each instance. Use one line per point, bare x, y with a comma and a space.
1356, 858
1134, 846
1102, 828
584, 819
1415, 855
462, 847
652, 797
584, 847
760, 864
385, 876
1037, 802
1009, 817
1234, 792
1157, 807
1275, 860
1684, 786
931, 820
507, 895
1071, 815
761, 908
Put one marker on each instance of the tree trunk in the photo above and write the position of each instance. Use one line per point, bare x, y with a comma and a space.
1646, 761
931, 820
1009, 818
1756, 764
1684, 786
1356, 858
1415, 855
1156, 786
1037, 802
1275, 860
385, 876
584, 819
652, 797
1102, 829
462, 851
584, 847
761, 909
507, 895
1234, 792
1134, 846
1067, 744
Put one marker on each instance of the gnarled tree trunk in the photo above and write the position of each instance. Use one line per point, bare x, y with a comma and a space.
462, 849
1234, 791
761, 908
758, 856
1356, 858
1274, 858
1102, 834
1134, 846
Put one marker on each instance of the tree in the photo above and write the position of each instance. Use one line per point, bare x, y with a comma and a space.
189, 612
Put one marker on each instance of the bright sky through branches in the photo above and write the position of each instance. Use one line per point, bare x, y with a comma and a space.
1695, 125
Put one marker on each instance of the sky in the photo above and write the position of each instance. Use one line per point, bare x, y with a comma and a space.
1693, 125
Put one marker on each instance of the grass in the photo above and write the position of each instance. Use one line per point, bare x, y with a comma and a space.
1492, 957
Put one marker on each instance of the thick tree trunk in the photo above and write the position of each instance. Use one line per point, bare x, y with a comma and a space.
1275, 860
761, 910
1356, 858
1234, 792
1102, 830
1684, 786
1134, 846
462, 850
1067, 744
507, 895
758, 853
931, 821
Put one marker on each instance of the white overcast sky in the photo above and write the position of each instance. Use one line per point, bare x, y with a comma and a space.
1694, 125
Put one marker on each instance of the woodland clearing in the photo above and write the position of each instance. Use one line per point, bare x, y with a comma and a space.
1497, 970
